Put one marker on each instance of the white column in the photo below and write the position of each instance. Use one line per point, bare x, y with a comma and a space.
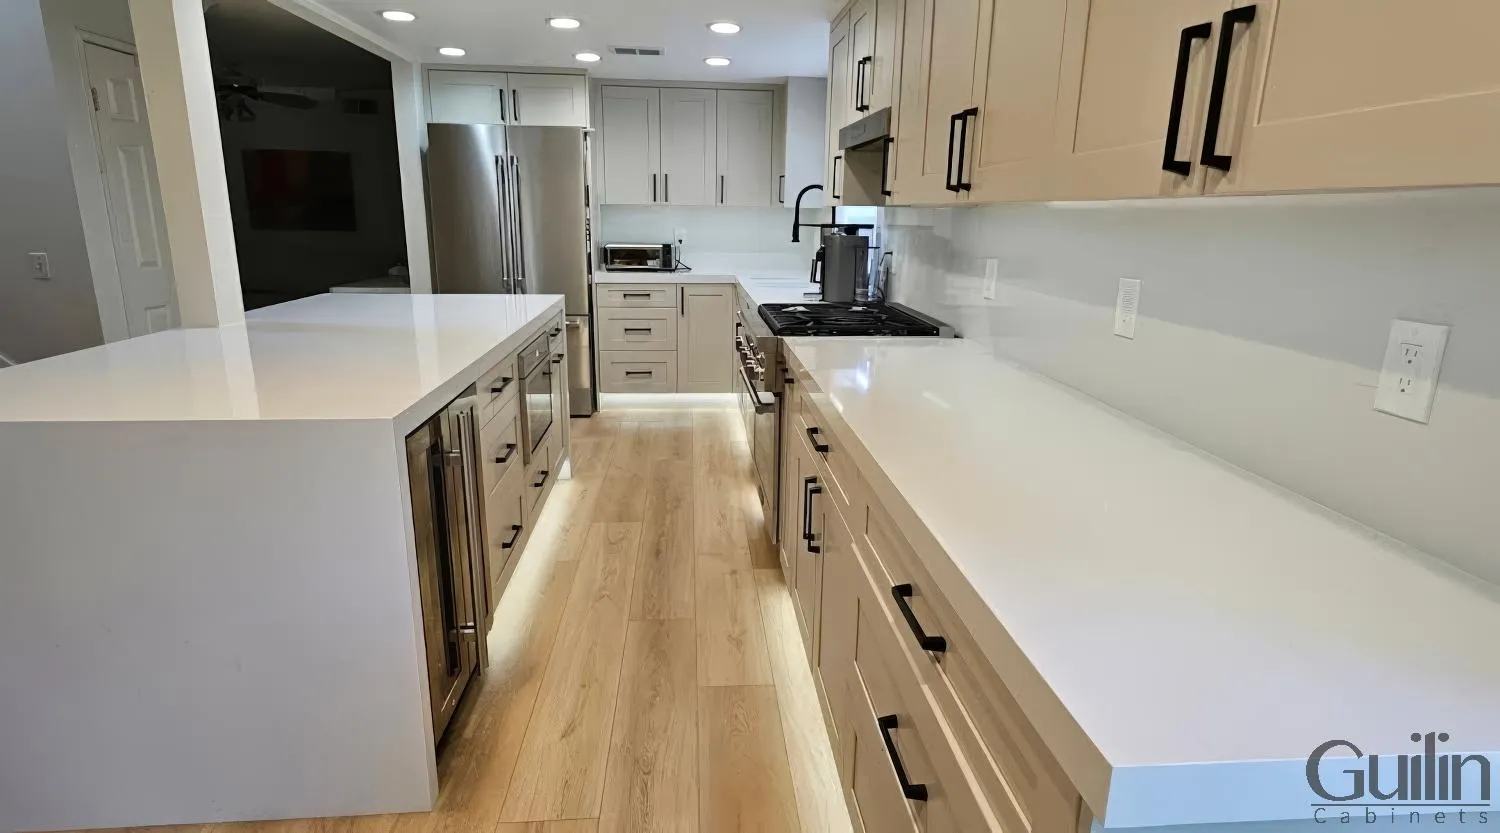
175, 69
411, 139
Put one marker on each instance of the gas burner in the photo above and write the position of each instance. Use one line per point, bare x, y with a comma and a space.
829, 319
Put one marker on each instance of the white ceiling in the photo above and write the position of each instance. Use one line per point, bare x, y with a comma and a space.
780, 37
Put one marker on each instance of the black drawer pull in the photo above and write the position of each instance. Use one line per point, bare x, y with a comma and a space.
541, 479
510, 451
635, 294
935, 644
557, 359
810, 487
637, 330
554, 331
504, 383
963, 148
637, 373
515, 535
913, 792
948, 183
1211, 157
812, 434
1170, 163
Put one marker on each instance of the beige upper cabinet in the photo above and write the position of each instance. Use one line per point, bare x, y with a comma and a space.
458, 97
873, 28
1125, 64
548, 100
520, 98
1338, 94
630, 145
939, 49
840, 103
1017, 76
689, 147
746, 124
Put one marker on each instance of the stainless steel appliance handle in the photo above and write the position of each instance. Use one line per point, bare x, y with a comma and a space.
761, 406
518, 228
502, 185
469, 477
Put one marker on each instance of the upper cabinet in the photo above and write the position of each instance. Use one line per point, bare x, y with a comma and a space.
518, 98
801, 140
688, 146
1000, 100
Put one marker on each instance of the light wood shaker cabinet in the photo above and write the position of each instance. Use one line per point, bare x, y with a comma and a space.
840, 104
689, 147
706, 360
745, 135
630, 145
1341, 94
940, 46
544, 100
518, 98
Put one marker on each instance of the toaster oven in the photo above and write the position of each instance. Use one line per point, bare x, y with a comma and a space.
639, 257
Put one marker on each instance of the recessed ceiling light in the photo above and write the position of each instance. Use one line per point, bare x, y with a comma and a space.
563, 22
396, 16
716, 62
587, 57
452, 51
724, 27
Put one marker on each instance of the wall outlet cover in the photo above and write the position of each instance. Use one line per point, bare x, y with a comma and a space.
40, 267
1127, 307
1409, 375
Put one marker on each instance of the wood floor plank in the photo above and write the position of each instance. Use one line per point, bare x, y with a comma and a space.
623, 496
664, 577
815, 777
718, 484
651, 785
743, 780
560, 770
565, 826
731, 640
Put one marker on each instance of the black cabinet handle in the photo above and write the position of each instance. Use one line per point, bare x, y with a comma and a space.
913, 792
885, 169
541, 479
635, 294
515, 104
1169, 162
653, 187
859, 96
666, 187
836, 161
504, 383
637, 373
554, 331
637, 329
557, 359
515, 535
781, 190
963, 148
681, 301
1211, 157
810, 487
812, 434
952, 144
510, 451
935, 644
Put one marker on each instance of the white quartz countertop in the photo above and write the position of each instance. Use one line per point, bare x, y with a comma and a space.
327, 357
775, 286
1199, 631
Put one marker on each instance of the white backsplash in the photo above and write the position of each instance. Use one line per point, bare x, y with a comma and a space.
1262, 325
715, 231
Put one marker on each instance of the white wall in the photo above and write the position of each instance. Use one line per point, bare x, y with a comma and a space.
711, 231
38, 203
1263, 324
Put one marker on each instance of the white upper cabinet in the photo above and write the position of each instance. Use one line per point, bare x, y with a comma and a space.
630, 141
549, 100
520, 98
802, 140
467, 97
689, 147
936, 128
840, 104
746, 123
873, 28
1357, 94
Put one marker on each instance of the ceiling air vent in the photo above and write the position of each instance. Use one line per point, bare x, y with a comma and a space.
641, 51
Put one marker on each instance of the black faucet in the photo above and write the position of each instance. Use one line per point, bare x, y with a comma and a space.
798, 225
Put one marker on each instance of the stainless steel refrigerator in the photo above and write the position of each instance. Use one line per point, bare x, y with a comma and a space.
508, 212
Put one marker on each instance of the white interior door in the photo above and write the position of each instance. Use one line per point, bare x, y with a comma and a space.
131, 190
689, 147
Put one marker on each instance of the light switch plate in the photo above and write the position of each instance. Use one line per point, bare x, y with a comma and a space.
1127, 307
41, 269
1409, 375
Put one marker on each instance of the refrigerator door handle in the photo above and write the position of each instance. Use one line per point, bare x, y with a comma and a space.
519, 219
502, 180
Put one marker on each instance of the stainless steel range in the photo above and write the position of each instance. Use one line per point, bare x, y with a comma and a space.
758, 334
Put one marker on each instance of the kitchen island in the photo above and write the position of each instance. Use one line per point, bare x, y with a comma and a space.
209, 606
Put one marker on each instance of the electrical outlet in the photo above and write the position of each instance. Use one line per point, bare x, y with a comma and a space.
1408, 378
40, 268
1127, 307
991, 278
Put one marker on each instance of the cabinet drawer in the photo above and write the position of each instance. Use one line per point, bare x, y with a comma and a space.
500, 448
497, 389
895, 728
831, 459
638, 295
637, 371
505, 519
1023, 782
637, 329
540, 474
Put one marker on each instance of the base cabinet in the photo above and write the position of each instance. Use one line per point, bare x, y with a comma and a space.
666, 338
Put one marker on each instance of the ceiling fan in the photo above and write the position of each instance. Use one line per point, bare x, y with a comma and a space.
236, 94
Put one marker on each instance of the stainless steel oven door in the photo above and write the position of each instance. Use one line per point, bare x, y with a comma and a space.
537, 404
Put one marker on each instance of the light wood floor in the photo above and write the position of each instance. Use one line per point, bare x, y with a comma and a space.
647, 673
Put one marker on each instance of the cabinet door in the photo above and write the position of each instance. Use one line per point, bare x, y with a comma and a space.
937, 84
746, 121
689, 147
861, 53
812, 500
1367, 94
839, 613
1121, 62
791, 496
631, 142
1017, 88
840, 105
874, 26
549, 100
466, 97
705, 338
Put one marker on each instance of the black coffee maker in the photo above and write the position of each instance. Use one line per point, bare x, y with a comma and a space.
842, 265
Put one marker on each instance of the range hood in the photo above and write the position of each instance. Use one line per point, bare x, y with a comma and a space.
866, 131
